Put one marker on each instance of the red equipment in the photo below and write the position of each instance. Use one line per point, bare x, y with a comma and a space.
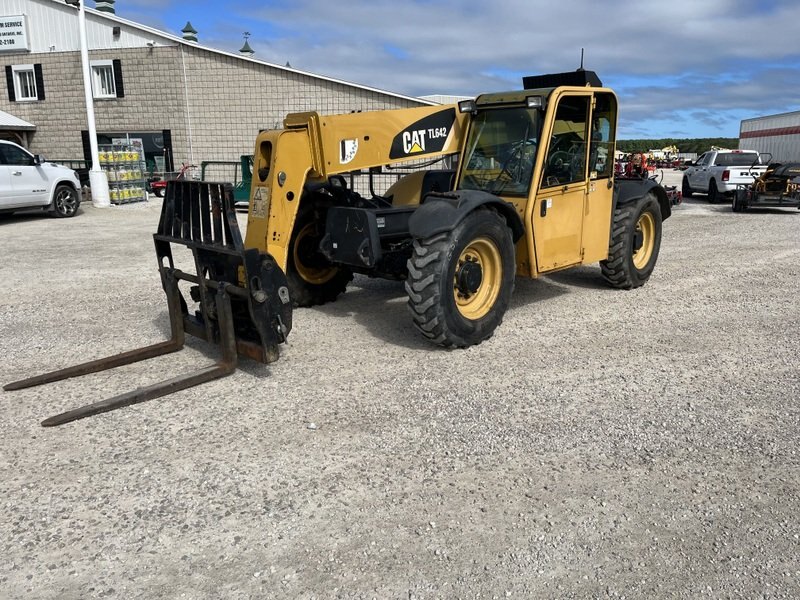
159, 186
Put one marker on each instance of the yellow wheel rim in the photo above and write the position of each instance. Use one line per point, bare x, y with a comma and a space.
314, 275
477, 304
647, 226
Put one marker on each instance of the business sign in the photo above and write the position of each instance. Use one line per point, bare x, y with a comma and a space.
13, 33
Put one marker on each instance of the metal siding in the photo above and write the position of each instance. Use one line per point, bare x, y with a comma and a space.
790, 119
53, 27
783, 148
49, 23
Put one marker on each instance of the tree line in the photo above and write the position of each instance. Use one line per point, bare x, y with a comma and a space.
698, 145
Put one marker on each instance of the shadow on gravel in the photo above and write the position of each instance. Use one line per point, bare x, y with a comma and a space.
583, 277
724, 206
770, 211
211, 352
379, 306
21, 217
531, 291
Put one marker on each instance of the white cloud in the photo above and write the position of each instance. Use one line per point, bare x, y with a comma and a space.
675, 59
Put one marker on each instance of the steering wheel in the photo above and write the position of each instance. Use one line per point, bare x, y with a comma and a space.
559, 160
567, 163
517, 162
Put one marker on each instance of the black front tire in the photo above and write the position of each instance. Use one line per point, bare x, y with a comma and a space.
637, 223
313, 280
65, 201
686, 189
460, 282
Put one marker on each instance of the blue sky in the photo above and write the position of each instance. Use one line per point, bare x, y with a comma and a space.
682, 68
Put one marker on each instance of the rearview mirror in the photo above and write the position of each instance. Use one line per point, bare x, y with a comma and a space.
38, 159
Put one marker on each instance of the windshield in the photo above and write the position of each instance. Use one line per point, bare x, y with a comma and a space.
501, 151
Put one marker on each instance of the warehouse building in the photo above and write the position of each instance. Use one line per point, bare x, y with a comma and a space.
185, 102
778, 135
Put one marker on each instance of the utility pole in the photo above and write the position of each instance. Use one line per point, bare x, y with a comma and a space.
98, 182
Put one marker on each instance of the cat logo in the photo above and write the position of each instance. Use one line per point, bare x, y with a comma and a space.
426, 136
413, 141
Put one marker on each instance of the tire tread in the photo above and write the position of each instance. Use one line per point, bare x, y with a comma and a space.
618, 269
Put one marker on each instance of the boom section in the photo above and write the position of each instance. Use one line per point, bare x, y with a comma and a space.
353, 141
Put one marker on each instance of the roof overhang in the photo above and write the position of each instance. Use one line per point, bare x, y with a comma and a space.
12, 123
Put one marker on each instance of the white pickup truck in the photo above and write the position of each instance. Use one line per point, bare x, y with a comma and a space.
718, 172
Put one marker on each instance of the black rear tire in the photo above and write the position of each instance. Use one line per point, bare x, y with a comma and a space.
713, 192
627, 266
460, 282
738, 204
313, 279
686, 189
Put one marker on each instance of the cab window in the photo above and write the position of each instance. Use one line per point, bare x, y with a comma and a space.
501, 151
566, 157
11, 155
601, 150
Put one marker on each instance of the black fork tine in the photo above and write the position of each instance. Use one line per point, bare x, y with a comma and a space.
224, 367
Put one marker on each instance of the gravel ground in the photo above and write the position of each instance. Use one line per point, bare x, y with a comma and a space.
603, 443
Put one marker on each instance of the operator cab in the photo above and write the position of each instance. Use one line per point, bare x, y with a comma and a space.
547, 150
506, 135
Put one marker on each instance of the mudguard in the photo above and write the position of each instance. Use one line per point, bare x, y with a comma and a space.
443, 212
630, 190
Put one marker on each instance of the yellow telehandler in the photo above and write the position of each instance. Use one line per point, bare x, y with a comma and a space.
533, 192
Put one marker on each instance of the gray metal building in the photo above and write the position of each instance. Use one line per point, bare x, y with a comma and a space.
778, 135
187, 102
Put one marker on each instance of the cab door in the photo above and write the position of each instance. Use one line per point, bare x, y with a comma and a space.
29, 181
698, 177
7, 197
559, 206
600, 194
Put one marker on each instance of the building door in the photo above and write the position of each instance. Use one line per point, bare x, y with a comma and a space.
156, 145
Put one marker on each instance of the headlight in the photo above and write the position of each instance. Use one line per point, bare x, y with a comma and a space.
467, 106
535, 102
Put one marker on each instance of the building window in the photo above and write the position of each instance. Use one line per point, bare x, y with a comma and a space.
25, 83
103, 85
107, 79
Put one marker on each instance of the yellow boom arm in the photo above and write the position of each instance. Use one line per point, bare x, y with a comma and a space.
313, 146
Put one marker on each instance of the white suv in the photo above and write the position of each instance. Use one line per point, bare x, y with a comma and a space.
26, 181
